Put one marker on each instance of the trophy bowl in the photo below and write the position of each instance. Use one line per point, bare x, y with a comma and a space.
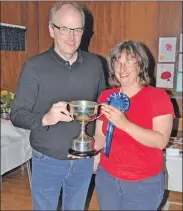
84, 112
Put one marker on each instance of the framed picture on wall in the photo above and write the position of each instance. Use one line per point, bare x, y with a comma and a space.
181, 38
178, 86
165, 75
180, 69
167, 49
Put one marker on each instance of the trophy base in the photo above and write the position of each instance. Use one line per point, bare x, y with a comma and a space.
82, 154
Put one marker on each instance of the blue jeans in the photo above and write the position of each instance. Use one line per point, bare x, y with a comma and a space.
49, 175
115, 194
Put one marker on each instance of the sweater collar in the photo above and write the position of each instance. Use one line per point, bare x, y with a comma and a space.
79, 57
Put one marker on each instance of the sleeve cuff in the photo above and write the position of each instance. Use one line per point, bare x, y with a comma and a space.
39, 119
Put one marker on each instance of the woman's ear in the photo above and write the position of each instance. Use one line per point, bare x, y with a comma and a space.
139, 70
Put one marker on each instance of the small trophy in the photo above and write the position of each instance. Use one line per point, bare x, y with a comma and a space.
84, 112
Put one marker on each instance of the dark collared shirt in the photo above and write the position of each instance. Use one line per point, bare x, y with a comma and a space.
46, 79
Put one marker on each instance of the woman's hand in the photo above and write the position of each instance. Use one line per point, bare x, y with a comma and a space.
115, 116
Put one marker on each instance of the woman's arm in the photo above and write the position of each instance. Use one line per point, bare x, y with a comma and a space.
99, 136
158, 137
99, 143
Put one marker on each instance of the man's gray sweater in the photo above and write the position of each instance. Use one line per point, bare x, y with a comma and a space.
47, 79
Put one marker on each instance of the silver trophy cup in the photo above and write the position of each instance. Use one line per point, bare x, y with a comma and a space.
84, 112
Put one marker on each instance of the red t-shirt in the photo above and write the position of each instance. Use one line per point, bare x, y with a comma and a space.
128, 159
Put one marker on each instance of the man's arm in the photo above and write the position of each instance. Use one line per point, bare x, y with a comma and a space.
102, 82
22, 114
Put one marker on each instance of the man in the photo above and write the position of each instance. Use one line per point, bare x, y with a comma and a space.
47, 81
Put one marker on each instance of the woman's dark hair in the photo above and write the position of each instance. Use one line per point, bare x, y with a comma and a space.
136, 49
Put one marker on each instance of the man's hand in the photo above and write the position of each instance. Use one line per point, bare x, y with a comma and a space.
57, 113
75, 157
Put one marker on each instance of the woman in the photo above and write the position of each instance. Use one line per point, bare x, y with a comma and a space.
132, 177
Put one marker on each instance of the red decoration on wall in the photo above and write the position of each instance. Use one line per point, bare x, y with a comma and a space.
166, 75
168, 47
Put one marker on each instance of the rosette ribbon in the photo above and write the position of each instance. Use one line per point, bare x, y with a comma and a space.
121, 102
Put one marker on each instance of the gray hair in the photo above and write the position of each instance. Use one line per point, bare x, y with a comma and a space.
59, 5
132, 48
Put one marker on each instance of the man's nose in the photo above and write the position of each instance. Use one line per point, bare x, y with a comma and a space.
71, 34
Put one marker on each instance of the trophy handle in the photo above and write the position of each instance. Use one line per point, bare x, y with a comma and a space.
95, 117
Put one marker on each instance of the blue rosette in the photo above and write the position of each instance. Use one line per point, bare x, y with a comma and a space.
121, 102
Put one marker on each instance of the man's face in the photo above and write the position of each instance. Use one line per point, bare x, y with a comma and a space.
66, 45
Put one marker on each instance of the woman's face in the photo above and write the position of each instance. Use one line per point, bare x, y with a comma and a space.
126, 69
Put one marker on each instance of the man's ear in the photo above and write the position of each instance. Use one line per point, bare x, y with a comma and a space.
51, 30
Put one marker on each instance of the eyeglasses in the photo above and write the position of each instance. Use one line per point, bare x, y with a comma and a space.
129, 64
66, 31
